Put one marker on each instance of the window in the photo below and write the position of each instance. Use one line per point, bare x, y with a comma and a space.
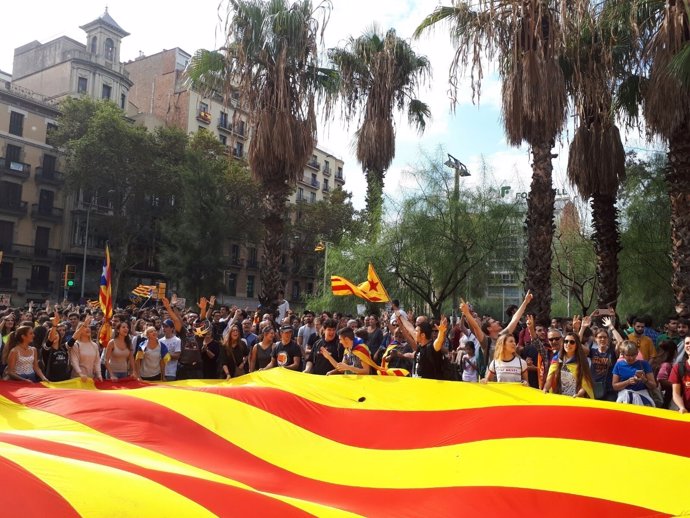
50, 127
17, 123
223, 139
252, 256
203, 107
6, 275
240, 128
82, 84
327, 166
40, 275
10, 195
109, 49
313, 179
42, 241
107, 90
123, 100
232, 284
295, 290
235, 254
239, 150
312, 197
250, 286
223, 122
13, 153
94, 45
49, 162
300, 194
310, 288
6, 235
45, 201
340, 172
325, 184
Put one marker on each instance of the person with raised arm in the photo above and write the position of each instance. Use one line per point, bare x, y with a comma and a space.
189, 363
489, 331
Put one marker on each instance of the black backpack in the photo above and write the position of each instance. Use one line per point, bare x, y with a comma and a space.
58, 367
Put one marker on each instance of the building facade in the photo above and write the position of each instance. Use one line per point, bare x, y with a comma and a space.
159, 96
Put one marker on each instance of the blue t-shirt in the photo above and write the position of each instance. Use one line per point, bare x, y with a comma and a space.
602, 364
627, 370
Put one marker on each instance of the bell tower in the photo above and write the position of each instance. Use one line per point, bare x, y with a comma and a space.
104, 38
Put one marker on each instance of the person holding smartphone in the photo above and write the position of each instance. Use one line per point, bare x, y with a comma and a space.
633, 378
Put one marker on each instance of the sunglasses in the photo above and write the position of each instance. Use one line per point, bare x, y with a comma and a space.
556, 339
567, 342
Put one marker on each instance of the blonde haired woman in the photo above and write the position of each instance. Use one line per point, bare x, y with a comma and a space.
84, 355
507, 366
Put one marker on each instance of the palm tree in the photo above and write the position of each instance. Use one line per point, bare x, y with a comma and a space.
596, 162
379, 73
666, 108
525, 37
271, 58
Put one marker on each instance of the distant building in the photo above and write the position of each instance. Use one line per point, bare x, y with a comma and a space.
159, 97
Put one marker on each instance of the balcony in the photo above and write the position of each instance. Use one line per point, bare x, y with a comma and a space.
8, 284
326, 188
237, 153
49, 177
32, 252
16, 169
239, 130
39, 286
253, 265
203, 116
311, 182
339, 176
224, 125
47, 213
327, 170
314, 164
16, 208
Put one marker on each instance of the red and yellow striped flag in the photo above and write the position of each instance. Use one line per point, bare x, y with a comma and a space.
200, 448
144, 290
372, 289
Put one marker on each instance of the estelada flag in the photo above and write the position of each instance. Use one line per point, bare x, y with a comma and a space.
105, 298
144, 290
372, 289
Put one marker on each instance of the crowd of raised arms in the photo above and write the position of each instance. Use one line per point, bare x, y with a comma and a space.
590, 357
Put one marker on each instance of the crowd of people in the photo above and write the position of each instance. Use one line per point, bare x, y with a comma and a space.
593, 357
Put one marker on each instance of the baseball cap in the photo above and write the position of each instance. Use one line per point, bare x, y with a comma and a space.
286, 327
168, 323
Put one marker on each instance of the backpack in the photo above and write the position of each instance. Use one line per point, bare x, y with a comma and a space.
58, 367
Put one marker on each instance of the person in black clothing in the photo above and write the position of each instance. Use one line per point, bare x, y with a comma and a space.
189, 364
210, 349
317, 363
286, 353
428, 356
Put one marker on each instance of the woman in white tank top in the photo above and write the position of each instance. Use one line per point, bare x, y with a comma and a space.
22, 359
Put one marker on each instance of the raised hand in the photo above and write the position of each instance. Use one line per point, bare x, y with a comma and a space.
607, 321
212, 301
203, 302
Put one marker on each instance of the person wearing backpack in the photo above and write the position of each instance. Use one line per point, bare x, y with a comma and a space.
680, 379
56, 359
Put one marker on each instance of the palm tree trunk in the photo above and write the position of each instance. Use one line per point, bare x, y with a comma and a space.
540, 230
274, 204
374, 203
678, 180
606, 246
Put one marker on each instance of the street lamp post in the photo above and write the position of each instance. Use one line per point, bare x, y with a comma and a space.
460, 170
322, 246
86, 240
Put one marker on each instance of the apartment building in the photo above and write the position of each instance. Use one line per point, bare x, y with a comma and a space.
32, 200
159, 96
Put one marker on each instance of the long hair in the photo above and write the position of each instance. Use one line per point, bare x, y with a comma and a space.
228, 342
127, 338
14, 339
500, 345
583, 372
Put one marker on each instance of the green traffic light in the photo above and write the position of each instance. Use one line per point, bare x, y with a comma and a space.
70, 283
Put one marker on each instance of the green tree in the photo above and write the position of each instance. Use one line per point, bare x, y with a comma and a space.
124, 167
272, 58
430, 255
646, 264
526, 38
215, 201
379, 73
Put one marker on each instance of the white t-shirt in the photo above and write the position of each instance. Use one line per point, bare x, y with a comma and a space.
508, 372
174, 345
469, 368
283, 308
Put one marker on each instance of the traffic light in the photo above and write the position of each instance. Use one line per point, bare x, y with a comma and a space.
68, 276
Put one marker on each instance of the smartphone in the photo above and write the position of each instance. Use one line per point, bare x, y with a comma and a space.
639, 374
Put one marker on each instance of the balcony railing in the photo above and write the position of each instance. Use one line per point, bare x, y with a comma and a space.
253, 264
311, 182
16, 208
239, 130
326, 188
326, 170
314, 164
224, 125
18, 169
31, 252
8, 284
237, 153
339, 176
234, 262
39, 286
203, 116
49, 177
47, 213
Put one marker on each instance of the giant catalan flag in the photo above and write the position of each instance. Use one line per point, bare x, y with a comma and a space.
105, 299
284, 444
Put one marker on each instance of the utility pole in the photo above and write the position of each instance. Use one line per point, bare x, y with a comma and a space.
460, 170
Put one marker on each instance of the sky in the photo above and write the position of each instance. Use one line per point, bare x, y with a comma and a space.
473, 133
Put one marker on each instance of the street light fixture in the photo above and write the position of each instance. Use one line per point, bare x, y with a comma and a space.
322, 246
460, 170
